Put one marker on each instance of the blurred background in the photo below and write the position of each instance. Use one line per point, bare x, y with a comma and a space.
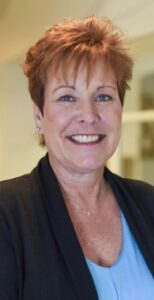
21, 24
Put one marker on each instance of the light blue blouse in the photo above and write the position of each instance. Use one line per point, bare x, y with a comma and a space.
129, 278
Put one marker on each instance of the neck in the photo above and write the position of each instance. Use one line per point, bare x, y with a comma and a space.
83, 187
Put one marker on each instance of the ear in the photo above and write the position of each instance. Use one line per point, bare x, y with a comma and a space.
38, 116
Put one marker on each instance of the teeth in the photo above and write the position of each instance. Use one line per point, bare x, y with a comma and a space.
85, 138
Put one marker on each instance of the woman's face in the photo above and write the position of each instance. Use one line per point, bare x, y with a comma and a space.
81, 122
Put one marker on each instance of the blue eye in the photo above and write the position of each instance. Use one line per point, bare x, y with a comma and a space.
103, 98
67, 98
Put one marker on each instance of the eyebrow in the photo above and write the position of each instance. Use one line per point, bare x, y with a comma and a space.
63, 86
107, 86
73, 87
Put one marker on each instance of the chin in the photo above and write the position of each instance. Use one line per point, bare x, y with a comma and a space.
88, 165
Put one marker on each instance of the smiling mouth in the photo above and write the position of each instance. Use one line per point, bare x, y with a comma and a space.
86, 138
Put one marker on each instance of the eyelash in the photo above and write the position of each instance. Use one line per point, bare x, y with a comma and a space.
104, 98
67, 98
99, 98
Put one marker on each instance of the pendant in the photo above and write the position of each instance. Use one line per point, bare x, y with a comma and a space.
86, 213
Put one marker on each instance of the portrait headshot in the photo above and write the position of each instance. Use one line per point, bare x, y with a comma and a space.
72, 228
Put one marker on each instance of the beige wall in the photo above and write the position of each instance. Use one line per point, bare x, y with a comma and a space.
18, 144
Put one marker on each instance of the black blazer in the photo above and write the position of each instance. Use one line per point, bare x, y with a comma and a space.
40, 256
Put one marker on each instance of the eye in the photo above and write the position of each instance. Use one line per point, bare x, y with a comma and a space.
103, 98
67, 98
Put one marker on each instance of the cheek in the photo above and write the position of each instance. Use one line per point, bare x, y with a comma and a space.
118, 114
56, 118
117, 117
52, 116
113, 117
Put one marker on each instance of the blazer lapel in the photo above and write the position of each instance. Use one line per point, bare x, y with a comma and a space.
136, 201
64, 233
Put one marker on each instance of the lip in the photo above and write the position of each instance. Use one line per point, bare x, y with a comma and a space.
86, 139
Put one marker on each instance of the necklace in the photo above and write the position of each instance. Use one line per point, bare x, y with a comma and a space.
84, 212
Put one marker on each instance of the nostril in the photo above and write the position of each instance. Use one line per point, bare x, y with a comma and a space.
88, 118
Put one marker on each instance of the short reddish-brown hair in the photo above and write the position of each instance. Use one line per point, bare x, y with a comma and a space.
75, 42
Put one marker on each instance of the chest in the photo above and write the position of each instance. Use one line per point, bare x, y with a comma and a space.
100, 237
129, 278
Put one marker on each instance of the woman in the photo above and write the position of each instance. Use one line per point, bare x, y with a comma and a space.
71, 229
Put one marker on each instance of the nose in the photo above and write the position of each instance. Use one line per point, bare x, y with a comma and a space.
88, 112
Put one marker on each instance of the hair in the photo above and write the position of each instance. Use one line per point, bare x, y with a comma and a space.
72, 43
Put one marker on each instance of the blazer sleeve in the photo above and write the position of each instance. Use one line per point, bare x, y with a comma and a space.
8, 267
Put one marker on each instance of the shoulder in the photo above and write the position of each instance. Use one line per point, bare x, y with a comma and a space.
14, 182
136, 193
140, 187
130, 184
13, 186
15, 192
142, 193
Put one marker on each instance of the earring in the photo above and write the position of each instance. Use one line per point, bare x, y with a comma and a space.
38, 129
